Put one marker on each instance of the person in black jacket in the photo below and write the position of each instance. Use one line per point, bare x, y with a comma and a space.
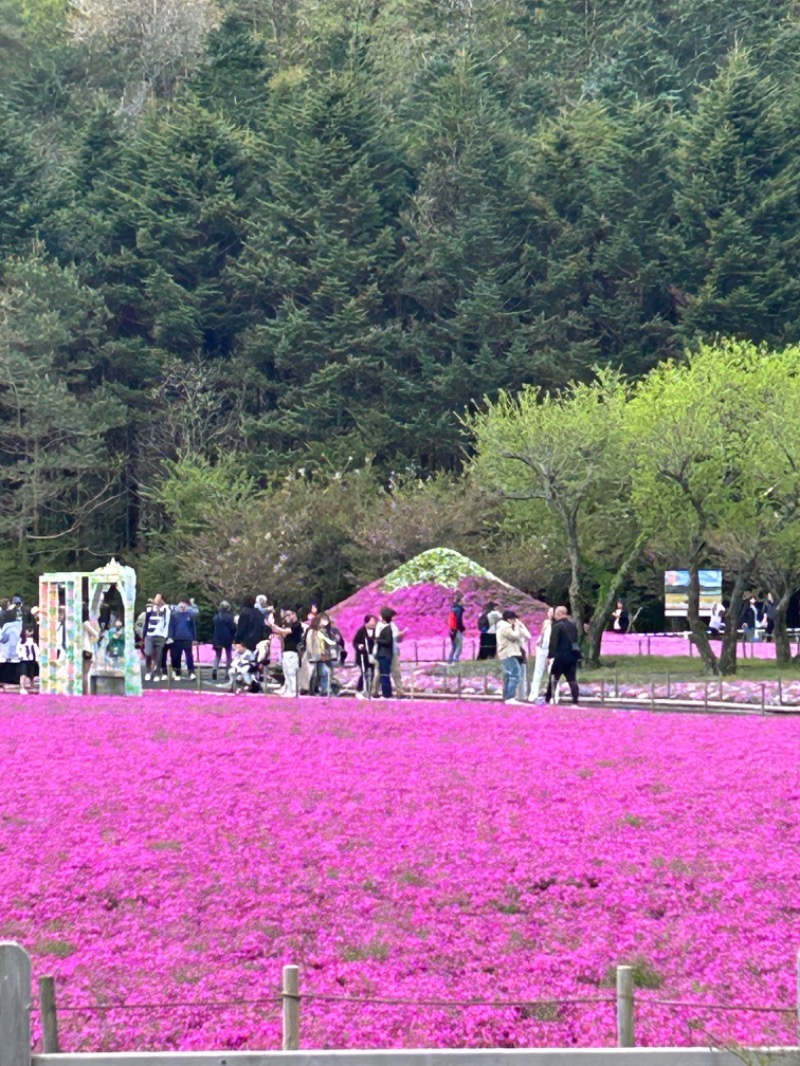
384, 649
223, 630
749, 620
564, 653
364, 647
250, 628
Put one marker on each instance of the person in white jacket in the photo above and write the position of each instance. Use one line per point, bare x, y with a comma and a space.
536, 694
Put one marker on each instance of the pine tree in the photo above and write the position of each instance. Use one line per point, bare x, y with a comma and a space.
316, 264
596, 267
734, 252
19, 184
58, 468
155, 233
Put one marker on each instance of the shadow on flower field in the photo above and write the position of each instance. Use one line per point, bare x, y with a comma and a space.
179, 850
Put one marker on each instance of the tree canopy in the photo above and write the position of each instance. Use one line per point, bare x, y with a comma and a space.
318, 236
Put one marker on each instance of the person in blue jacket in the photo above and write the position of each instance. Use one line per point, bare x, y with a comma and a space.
223, 630
182, 636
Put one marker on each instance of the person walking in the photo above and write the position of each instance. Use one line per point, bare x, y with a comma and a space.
455, 622
512, 642
223, 630
182, 637
542, 654
565, 654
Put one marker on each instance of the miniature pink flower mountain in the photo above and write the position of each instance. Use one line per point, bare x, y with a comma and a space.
421, 592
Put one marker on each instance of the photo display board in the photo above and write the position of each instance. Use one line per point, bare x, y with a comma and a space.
676, 592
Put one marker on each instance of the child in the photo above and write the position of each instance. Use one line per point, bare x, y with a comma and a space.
28, 651
115, 643
243, 674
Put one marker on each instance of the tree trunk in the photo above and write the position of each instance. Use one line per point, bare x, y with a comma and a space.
575, 583
783, 646
727, 659
605, 606
698, 629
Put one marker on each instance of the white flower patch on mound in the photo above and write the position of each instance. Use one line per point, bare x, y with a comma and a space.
438, 566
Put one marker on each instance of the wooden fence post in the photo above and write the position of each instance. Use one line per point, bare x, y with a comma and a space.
291, 1008
15, 1005
625, 1034
48, 1016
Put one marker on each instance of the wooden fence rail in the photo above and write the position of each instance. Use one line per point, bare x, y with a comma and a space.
16, 1046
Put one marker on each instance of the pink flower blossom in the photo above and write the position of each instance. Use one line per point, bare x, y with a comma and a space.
180, 849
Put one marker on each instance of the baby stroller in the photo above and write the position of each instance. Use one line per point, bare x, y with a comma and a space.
245, 673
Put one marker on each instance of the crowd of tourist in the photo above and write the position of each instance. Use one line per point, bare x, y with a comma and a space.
313, 649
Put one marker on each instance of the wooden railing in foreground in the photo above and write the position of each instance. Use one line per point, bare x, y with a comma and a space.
16, 1045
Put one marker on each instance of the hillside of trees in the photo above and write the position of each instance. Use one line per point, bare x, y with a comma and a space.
263, 260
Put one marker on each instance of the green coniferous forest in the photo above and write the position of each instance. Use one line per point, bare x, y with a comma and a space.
261, 258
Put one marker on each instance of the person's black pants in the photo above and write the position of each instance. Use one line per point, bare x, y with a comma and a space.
562, 668
488, 646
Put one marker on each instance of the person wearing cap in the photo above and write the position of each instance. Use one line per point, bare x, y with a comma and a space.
512, 642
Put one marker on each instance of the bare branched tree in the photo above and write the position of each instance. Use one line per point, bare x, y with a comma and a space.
156, 39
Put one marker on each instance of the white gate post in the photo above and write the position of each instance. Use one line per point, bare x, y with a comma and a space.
15, 1005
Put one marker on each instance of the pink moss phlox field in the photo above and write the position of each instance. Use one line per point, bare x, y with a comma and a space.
180, 849
422, 610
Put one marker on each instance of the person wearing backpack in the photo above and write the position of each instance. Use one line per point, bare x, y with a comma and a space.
565, 654
455, 624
